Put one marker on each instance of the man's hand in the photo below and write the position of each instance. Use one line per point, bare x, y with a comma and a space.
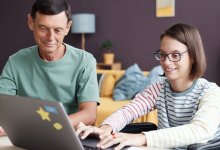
85, 131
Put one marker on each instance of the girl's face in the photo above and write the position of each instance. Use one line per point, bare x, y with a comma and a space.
179, 70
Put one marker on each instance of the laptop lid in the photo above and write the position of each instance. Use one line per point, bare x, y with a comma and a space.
35, 124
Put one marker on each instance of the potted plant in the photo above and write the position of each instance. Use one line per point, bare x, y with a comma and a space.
108, 55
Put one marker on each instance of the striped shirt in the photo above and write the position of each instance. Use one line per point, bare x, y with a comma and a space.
192, 116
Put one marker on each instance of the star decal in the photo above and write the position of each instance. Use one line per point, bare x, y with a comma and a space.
44, 115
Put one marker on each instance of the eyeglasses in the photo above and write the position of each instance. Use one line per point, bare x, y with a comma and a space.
174, 57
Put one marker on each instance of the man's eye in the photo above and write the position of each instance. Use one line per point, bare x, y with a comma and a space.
58, 31
43, 29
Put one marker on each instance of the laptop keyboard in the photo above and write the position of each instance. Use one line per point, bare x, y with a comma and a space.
86, 147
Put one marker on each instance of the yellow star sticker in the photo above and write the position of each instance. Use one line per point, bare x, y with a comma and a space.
44, 115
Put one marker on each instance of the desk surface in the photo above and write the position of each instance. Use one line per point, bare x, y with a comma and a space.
5, 144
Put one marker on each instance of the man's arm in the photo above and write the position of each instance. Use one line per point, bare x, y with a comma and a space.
7, 82
87, 93
86, 114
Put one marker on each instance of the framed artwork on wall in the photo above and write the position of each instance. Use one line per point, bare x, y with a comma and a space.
165, 8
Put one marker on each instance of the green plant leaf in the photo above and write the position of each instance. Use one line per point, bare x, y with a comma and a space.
106, 45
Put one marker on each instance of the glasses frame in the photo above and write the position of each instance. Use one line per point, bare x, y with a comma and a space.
167, 56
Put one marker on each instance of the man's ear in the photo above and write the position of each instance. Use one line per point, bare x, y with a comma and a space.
30, 22
68, 27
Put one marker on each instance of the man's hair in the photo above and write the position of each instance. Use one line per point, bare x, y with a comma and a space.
189, 36
51, 7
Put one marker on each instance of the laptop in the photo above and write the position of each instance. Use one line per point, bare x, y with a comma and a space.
39, 125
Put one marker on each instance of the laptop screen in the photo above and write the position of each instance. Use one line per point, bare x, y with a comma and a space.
36, 124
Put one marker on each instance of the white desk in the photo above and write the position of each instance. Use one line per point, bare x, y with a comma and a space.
5, 144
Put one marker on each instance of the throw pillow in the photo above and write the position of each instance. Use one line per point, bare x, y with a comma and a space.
107, 85
153, 76
129, 84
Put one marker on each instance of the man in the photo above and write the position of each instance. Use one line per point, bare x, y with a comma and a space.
53, 70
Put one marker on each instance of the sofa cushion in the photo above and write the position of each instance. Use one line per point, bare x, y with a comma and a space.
135, 81
107, 85
107, 80
129, 84
108, 106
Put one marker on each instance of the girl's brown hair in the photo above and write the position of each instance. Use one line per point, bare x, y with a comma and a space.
189, 36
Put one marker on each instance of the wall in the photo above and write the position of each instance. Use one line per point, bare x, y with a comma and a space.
131, 25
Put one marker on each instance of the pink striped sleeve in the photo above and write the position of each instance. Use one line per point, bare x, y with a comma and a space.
142, 104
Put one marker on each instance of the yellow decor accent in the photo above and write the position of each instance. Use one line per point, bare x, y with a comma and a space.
57, 126
108, 58
107, 85
44, 115
167, 11
108, 105
165, 8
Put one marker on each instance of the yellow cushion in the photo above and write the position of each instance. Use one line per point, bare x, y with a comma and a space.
116, 73
108, 106
107, 85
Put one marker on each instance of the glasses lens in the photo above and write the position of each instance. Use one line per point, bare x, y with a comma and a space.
162, 56
174, 57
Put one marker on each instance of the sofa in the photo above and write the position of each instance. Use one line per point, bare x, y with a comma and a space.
107, 104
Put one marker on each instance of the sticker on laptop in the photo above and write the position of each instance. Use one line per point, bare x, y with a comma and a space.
43, 114
51, 109
57, 126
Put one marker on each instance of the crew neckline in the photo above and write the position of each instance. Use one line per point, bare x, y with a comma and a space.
50, 63
184, 92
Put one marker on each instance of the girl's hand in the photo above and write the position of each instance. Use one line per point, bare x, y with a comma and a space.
122, 139
107, 130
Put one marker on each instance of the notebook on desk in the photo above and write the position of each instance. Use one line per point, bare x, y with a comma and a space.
42, 125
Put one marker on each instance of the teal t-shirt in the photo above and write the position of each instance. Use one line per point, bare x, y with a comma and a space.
70, 80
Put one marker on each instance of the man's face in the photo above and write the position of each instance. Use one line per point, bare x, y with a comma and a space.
49, 31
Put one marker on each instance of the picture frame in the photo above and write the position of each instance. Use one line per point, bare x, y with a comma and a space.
165, 8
